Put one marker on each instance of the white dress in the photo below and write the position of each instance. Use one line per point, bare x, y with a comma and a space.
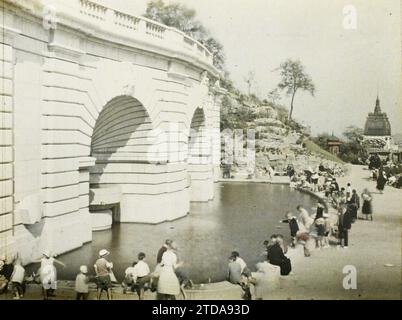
48, 275
168, 282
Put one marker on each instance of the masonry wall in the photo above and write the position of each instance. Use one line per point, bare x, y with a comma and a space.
56, 83
6, 142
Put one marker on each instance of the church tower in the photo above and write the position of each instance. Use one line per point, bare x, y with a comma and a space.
377, 130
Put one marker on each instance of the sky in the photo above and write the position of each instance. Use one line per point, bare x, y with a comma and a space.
348, 62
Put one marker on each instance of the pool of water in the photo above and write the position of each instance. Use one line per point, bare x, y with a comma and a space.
241, 217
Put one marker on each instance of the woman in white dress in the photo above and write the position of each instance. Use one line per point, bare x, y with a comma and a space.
48, 274
168, 284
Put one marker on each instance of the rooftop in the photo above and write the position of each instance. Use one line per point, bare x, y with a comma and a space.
377, 123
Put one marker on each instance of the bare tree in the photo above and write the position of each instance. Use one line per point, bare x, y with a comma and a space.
293, 79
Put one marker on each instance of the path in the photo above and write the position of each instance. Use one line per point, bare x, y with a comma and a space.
372, 245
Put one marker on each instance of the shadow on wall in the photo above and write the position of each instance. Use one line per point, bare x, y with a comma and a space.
35, 229
120, 132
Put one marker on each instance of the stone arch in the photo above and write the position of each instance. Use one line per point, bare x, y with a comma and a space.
197, 137
200, 170
122, 131
120, 143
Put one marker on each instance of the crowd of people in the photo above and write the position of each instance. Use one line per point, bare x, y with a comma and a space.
318, 229
168, 279
385, 172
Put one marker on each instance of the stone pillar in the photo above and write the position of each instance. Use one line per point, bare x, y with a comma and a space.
65, 147
7, 241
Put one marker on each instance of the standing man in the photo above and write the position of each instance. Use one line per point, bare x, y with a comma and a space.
344, 225
354, 205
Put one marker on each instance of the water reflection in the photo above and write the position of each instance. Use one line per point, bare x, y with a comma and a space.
241, 217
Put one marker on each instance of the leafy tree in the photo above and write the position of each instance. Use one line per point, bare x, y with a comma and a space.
217, 51
322, 139
352, 150
181, 17
294, 78
353, 133
274, 96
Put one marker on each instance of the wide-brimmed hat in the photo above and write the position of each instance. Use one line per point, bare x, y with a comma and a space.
103, 253
46, 253
84, 269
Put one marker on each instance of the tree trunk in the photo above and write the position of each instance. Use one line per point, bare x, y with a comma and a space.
291, 105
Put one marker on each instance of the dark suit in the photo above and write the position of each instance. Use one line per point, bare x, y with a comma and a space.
275, 254
345, 224
277, 258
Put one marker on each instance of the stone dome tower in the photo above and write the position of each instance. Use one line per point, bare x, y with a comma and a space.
377, 131
377, 123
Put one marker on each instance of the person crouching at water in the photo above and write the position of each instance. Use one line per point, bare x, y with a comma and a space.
103, 269
236, 276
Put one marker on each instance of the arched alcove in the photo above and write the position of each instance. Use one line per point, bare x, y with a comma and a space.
199, 159
120, 143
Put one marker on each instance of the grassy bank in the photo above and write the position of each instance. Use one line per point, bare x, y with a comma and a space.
315, 148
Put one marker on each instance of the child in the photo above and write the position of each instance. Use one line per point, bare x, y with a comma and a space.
328, 227
320, 226
81, 284
141, 275
348, 192
17, 280
294, 227
129, 278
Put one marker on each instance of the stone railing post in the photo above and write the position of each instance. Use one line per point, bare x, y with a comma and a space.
110, 19
142, 28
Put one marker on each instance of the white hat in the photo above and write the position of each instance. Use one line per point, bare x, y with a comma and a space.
46, 253
103, 253
84, 269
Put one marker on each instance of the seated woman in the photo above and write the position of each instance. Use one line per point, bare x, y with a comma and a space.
278, 258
